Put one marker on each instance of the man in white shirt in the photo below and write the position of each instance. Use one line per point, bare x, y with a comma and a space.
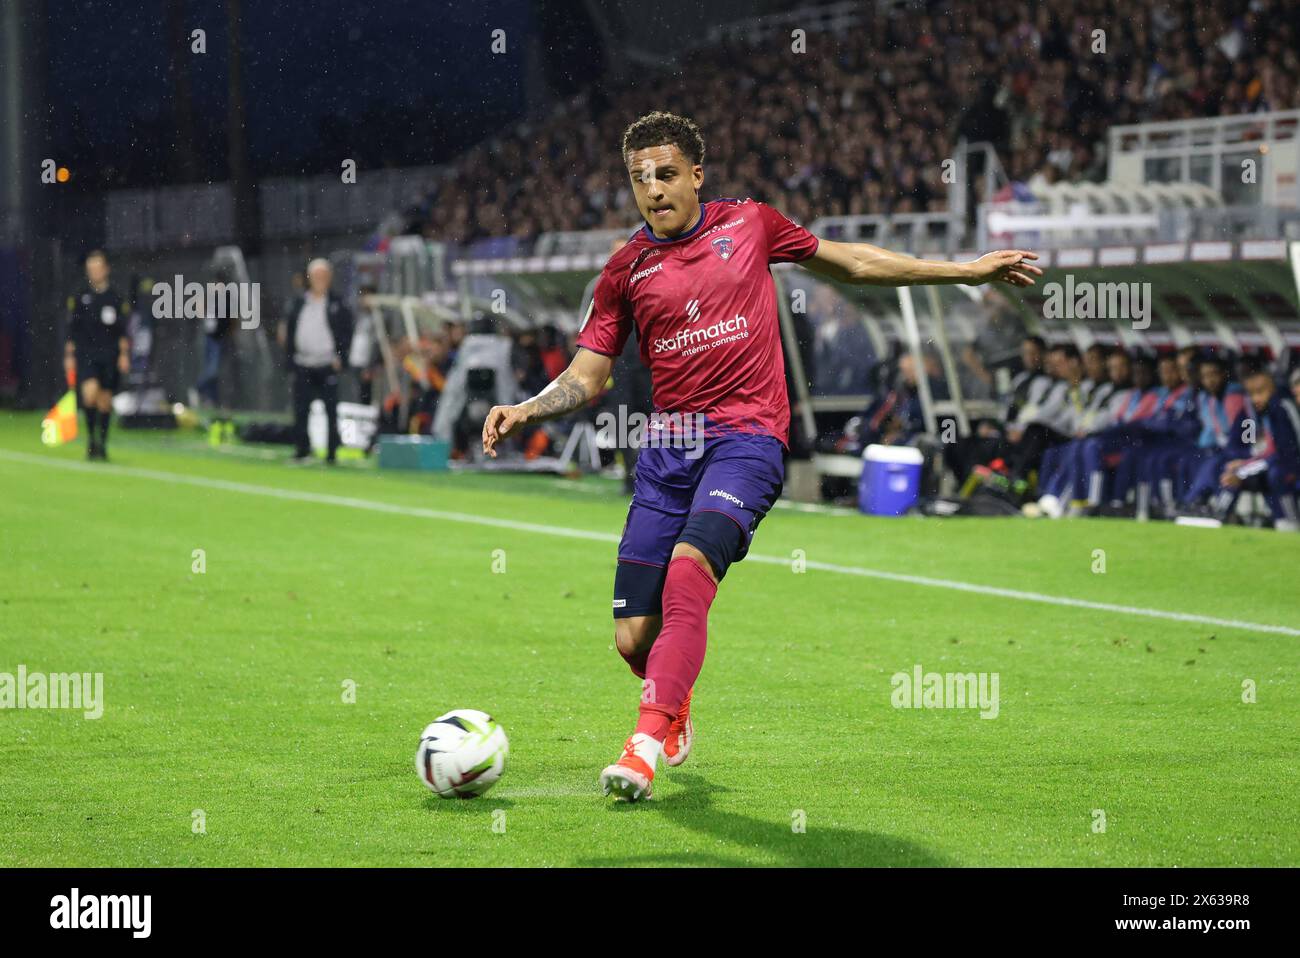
317, 335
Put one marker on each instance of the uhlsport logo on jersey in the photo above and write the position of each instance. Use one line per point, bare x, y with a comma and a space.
723, 246
649, 270
692, 339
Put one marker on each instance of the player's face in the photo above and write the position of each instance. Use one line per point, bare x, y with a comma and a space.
319, 279
1030, 354
1212, 377
97, 271
666, 187
1093, 365
1118, 368
1170, 376
1260, 389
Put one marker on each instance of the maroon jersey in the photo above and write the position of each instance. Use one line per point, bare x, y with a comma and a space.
704, 308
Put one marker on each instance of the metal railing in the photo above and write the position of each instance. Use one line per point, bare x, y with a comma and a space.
173, 216
580, 243
904, 232
1206, 150
293, 206
825, 18
1039, 226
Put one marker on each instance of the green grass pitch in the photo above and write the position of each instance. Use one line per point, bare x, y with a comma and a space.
224, 691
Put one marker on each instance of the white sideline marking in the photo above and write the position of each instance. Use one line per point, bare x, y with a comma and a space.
514, 524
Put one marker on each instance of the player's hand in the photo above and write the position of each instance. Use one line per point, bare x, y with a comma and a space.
502, 422
123, 363
1010, 266
1229, 475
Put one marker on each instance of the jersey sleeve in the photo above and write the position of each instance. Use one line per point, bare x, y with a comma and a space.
608, 322
74, 321
787, 242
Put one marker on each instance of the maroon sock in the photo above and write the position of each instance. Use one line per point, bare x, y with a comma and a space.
677, 656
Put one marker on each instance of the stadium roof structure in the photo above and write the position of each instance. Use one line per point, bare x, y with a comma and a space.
1260, 275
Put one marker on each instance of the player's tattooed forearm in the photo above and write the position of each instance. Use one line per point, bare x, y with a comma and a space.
565, 394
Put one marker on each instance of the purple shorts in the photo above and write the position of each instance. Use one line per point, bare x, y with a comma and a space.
738, 475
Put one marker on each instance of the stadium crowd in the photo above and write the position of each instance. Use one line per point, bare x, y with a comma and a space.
861, 122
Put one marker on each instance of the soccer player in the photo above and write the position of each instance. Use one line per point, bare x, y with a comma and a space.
1269, 460
1053, 421
1220, 406
1064, 469
97, 350
695, 286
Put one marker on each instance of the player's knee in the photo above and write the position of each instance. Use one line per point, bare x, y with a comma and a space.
635, 634
693, 552
714, 540
89, 392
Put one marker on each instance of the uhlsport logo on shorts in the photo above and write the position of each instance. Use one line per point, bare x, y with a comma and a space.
55, 690
723, 494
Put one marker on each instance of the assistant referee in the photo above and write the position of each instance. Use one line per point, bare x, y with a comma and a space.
97, 350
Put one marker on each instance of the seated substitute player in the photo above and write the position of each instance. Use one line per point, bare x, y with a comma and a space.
694, 283
97, 350
1263, 454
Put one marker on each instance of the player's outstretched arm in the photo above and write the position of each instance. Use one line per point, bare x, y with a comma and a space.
873, 266
572, 389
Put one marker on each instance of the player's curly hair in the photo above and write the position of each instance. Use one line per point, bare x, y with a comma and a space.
657, 128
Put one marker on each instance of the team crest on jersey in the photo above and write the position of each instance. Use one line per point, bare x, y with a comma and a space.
723, 247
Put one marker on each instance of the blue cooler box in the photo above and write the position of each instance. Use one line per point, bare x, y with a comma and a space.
891, 480
412, 452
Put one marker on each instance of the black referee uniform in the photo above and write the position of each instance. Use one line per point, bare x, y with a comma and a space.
96, 328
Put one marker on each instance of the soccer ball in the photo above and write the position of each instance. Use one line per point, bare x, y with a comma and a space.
462, 754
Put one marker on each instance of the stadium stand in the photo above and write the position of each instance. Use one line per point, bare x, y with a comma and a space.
961, 127
889, 106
